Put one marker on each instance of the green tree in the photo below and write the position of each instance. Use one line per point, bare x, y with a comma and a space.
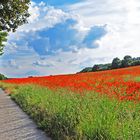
116, 63
3, 36
87, 69
95, 68
136, 61
2, 77
127, 61
13, 13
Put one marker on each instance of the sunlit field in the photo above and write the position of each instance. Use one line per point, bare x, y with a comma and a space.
122, 83
86, 106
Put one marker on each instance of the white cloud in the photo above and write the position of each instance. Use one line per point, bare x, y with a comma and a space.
43, 16
42, 3
34, 12
123, 25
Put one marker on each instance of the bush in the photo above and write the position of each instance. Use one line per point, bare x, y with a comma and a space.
2, 77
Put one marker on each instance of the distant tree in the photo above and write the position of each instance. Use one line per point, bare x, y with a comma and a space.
127, 57
95, 68
30, 76
88, 69
13, 13
2, 77
106, 66
116, 63
136, 61
127, 61
101, 67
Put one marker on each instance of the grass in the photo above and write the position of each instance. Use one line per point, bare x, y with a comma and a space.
137, 79
65, 115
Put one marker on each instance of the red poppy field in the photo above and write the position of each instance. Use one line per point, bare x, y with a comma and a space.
122, 83
86, 106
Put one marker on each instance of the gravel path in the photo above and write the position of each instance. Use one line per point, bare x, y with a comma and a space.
15, 124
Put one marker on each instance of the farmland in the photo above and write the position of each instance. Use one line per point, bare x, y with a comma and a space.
97, 105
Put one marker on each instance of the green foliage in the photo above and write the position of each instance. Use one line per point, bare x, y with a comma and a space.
2, 77
101, 67
68, 116
3, 36
116, 63
95, 68
88, 69
13, 13
127, 61
136, 61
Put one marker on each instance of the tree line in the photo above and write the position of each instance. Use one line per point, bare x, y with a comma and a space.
116, 63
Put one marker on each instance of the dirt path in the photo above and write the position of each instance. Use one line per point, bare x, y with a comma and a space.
15, 124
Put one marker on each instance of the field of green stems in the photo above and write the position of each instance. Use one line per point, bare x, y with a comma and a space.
64, 115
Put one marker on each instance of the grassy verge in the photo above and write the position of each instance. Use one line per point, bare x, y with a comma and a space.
65, 115
137, 79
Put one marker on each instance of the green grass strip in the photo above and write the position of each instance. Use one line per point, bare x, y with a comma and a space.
65, 115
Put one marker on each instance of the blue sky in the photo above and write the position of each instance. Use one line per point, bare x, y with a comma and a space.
59, 2
65, 36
